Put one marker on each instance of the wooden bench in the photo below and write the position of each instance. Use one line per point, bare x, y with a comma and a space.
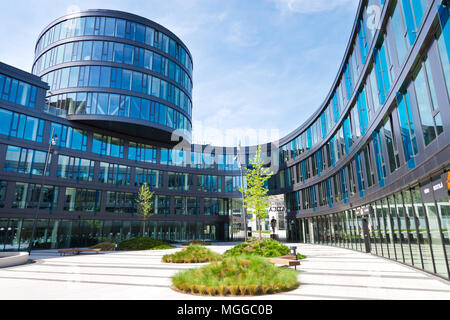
78, 251
289, 261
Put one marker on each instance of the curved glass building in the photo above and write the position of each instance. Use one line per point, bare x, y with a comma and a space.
368, 171
123, 72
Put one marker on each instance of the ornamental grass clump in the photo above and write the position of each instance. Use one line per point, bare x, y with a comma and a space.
192, 254
196, 242
144, 244
237, 276
268, 248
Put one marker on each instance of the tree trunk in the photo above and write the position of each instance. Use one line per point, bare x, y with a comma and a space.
259, 227
143, 229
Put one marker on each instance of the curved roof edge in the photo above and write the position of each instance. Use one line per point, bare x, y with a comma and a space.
115, 14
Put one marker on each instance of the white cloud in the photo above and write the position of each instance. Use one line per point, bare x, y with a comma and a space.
238, 35
312, 6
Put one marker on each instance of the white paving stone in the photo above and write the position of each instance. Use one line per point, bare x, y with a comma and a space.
327, 273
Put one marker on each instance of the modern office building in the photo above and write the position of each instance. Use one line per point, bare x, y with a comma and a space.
368, 171
117, 98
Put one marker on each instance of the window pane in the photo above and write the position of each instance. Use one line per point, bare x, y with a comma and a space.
425, 109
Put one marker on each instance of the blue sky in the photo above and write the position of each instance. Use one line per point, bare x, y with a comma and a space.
261, 67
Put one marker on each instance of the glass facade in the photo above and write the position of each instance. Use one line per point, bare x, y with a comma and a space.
410, 226
52, 234
21, 126
117, 28
17, 91
381, 134
113, 52
126, 69
113, 78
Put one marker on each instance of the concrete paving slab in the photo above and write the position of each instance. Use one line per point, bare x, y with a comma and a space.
328, 273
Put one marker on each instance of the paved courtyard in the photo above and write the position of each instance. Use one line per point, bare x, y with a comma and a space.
327, 273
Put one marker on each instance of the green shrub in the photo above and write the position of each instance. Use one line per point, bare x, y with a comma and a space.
143, 244
197, 242
104, 246
244, 275
268, 248
192, 254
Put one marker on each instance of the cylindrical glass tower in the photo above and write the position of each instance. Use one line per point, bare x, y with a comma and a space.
117, 71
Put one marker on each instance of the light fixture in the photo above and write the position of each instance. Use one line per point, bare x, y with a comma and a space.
293, 252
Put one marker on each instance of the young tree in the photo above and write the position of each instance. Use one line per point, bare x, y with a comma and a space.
255, 195
144, 203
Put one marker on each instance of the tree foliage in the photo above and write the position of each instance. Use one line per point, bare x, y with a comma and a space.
144, 204
256, 194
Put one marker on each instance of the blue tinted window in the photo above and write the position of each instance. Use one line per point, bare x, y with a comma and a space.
120, 28
31, 128
5, 121
335, 107
379, 157
348, 81
362, 41
399, 32
113, 109
135, 108
97, 143
347, 135
116, 147
148, 60
110, 25
413, 10
73, 78
97, 50
156, 87
359, 175
130, 30
170, 114
23, 93
140, 33
68, 52
382, 73
162, 114
407, 129
90, 25
6, 88
2, 82
124, 108
149, 36
145, 109
116, 78
362, 111
137, 82
13, 92
69, 138
87, 50
78, 139
128, 54
157, 63
118, 52
102, 103
105, 77
126, 79
94, 77
443, 43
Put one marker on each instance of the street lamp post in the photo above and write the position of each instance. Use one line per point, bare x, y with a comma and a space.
244, 211
52, 143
